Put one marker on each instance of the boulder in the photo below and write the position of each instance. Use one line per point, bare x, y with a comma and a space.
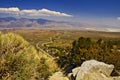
58, 76
94, 70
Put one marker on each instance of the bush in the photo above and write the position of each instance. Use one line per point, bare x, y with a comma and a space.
46, 67
20, 61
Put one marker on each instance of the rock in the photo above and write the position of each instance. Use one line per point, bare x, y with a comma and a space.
75, 71
71, 77
58, 76
116, 78
94, 70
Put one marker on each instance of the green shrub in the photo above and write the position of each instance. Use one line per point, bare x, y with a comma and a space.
20, 61
17, 58
46, 67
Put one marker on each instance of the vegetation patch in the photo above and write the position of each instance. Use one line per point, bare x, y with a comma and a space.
20, 61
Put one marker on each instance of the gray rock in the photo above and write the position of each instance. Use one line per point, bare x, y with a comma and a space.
94, 70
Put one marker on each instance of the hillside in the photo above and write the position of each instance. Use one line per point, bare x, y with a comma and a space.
49, 51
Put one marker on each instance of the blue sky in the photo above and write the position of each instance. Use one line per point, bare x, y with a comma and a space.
94, 8
88, 11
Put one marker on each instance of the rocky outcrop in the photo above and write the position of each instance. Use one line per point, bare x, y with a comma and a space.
93, 70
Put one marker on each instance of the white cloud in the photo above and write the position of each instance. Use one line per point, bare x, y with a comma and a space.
12, 10
49, 13
118, 18
33, 12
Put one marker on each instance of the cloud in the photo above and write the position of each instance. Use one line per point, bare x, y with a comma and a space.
32, 13
13, 10
118, 18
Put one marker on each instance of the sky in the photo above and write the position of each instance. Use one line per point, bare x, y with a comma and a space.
102, 12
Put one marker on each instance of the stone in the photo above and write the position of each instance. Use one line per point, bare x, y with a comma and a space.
58, 76
94, 70
116, 78
71, 77
75, 71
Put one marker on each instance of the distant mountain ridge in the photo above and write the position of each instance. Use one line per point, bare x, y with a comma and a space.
11, 22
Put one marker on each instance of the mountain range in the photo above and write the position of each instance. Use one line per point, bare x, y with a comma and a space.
11, 22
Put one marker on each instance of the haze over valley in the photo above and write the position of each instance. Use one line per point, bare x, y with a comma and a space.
17, 23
